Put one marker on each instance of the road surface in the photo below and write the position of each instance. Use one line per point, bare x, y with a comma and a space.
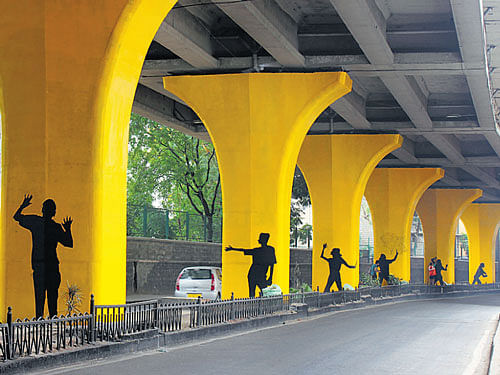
445, 336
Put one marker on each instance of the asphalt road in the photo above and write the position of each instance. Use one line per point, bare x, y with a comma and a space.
446, 336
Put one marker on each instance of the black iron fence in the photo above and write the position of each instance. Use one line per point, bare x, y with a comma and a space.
114, 322
144, 221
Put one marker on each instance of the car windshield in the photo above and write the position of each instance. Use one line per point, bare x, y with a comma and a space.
196, 274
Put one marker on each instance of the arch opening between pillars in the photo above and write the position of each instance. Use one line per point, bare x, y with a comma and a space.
482, 221
75, 108
417, 250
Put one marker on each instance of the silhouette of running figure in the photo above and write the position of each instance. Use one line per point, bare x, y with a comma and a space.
263, 258
439, 269
335, 263
383, 264
479, 273
45, 234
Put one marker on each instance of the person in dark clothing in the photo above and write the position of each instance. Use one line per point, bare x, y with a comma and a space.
335, 263
479, 273
263, 259
439, 269
383, 263
45, 235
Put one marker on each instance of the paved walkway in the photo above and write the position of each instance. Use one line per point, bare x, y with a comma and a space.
446, 336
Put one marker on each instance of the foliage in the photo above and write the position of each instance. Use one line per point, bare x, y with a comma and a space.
305, 234
175, 169
73, 298
365, 280
302, 288
299, 189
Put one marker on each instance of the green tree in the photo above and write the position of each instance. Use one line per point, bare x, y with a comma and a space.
178, 170
305, 234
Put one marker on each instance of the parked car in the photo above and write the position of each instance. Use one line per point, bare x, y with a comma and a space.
202, 281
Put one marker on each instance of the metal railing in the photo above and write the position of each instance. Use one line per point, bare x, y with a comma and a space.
144, 221
114, 322
25, 337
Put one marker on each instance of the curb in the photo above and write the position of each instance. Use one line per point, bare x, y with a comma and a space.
154, 339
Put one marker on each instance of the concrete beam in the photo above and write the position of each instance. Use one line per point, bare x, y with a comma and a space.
352, 109
269, 25
159, 108
185, 35
406, 153
423, 63
469, 23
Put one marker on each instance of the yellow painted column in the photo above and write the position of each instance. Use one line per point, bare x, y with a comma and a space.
439, 210
257, 123
336, 169
68, 74
482, 222
393, 194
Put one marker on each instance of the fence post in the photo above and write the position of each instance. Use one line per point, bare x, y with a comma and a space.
92, 324
10, 335
198, 316
231, 312
167, 224
187, 226
317, 297
260, 303
145, 221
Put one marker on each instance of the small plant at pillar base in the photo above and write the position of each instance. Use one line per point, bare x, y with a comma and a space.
365, 280
73, 298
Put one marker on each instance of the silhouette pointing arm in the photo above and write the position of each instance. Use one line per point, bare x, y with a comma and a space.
230, 248
345, 263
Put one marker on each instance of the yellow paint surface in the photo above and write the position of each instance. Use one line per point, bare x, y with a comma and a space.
393, 194
336, 169
68, 71
439, 210
257, 123
482, 222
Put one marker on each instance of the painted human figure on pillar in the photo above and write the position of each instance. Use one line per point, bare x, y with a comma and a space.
383, 263
479, 273
335, 263
263, 260
45, 235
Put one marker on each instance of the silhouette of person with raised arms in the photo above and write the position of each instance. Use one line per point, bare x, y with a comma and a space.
479, 273
439, 269
263, 258
383, 263
45, 235
335, 263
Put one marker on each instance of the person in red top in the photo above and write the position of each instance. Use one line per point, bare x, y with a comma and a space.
432, 272
45, 235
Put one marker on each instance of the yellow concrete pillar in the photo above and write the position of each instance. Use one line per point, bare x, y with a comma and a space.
393, 194
439, 210
68, 73
257, 123
482, 222
336, 169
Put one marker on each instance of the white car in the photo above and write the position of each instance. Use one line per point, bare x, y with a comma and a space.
202, 281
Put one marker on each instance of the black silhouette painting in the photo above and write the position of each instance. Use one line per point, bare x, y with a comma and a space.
383, 263
439, 269
264, 259
335, 263
45, 235
479, 273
